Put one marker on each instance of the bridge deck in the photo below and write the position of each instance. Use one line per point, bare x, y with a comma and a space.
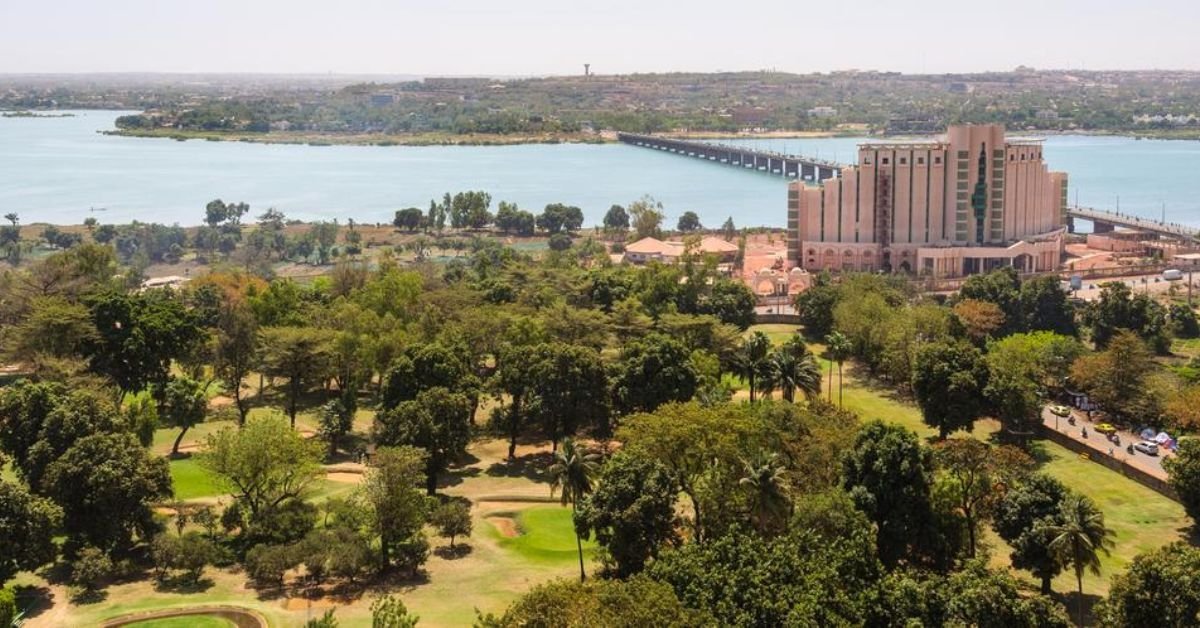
788, 165
1171, 229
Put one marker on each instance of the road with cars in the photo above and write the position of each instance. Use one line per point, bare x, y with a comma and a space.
1102, 445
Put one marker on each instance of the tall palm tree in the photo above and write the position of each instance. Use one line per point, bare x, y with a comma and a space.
1080, 538
753, 359
766, 479
795, 367
839, 347
574, 471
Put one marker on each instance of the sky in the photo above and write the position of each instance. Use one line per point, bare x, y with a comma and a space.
556, 37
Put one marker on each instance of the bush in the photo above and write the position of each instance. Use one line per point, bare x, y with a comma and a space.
452, 519
412, 553
8, 607
91, 566
390, 612
266, 564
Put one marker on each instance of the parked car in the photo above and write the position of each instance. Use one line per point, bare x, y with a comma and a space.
1062, 411
1147, 447
1172, 274
1106, 428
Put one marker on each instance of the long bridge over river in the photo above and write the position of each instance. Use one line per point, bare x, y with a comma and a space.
789, 166
810, 169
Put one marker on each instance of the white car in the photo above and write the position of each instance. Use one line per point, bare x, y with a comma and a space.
1147, 447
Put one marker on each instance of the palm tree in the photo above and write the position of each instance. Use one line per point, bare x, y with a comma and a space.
753, 359
795, 367
574, 471
1079, 539
838, 346
766, 479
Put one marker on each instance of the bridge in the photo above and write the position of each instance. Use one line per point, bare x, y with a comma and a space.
1105, 221
789, 166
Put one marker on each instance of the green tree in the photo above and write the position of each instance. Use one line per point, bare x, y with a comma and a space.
728, 230
408, 219
839, 348
765, 480
1000, 287
334, 422
652, 371
889, 474
1183, 472
264, 464
1025, 518
1045, 306
184, 405
610, 603
816, 304
616, 219
688, 222
973, 477
573, 476
796, 369
390, 612
140, 335
1119, 308
948, 382
631, 512
398, 510
1160, 588
1116, 378
106, 485
299, 355
1022, 370
236, 351
423, 367
452, 519
437, 421
753, 362
557, 218
27, 528
646, 216
1080, 538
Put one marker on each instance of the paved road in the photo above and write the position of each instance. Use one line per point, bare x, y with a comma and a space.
1097, 441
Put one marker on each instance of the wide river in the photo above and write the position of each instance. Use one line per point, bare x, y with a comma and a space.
56, 169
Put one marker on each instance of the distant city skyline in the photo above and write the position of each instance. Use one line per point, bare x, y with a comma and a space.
542, 37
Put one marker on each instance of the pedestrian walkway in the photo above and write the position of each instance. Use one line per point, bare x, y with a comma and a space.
1099, 443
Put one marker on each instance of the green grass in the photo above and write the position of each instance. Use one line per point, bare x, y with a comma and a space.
547, 536
1141, 518
191, 481
777, 332
190, 621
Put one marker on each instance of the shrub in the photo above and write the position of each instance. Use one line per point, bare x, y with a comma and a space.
412, 553
8, 607
266, 564
91, 566
452, 519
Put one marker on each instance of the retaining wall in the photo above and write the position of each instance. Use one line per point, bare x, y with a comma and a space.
1127, 470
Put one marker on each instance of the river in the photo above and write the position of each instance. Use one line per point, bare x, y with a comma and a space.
57, 169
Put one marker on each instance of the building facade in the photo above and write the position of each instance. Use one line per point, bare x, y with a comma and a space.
967, 203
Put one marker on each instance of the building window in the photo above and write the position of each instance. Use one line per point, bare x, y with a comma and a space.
884, 161
962, 154
937, 160
903, 161
920, 161
866, 161
1012, 157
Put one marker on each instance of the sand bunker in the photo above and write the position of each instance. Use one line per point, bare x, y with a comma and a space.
506, 526
303, 603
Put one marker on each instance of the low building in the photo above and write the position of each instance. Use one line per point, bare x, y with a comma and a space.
1122, 241
966, 203
655, 250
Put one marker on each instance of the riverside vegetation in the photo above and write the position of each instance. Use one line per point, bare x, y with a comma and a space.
621, 443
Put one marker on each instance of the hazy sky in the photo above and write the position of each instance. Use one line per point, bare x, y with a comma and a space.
519, 37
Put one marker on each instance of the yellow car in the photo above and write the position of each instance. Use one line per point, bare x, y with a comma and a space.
1106, 428
1062, 411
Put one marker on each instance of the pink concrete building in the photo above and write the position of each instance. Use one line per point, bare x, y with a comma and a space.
967, 203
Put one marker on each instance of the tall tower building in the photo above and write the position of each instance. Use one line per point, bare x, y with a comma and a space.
967, 203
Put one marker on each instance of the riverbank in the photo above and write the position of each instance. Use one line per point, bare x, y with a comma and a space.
364, 139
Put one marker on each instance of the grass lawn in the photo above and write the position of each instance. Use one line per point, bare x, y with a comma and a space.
547, 536
777, 332
191, 481
191, 621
